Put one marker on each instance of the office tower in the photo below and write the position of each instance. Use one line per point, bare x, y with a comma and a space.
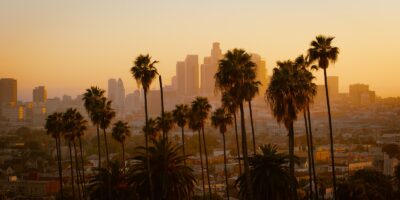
333, 87
112, 89
360, 94
261, 73
39, 94
192, 75
116, 93
181, 78
208, 70
8, 91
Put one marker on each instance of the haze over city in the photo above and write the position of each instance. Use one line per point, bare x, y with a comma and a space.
68, 46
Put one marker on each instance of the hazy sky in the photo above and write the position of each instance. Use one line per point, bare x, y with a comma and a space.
70, 45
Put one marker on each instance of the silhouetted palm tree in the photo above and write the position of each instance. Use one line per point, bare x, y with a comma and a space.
324, 53
172, 180
80, 128
165, 123
144, 73
269, 174
119, 186
201, 108
106, 116
228, 102
54, 126
288, 94
195, 125
120, 132
234, 71
180, 115
152, 129
221, 119
251, 91
93, 103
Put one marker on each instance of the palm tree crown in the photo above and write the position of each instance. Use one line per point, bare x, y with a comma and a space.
221, 119
180, 114
322, 51
120, 131
144, 71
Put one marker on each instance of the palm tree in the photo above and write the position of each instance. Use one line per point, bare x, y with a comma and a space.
172, 179
288, 94
251, 92
221, 119
119, 186
152, 129
54, 127
180, 115
195, 125
106, 116
80, 128
229, 104
144, 72
120, 132
165, 123
201, 108
93, 103
234, 71
269, 175
323, 52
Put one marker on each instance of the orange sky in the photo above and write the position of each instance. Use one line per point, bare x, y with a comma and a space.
69, 46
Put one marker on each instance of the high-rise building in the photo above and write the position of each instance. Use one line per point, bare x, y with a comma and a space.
112, 89
39, 94
192, 75
8, 91
261, 73
208, 70
360, 94
181, 78
116, 93
333, 87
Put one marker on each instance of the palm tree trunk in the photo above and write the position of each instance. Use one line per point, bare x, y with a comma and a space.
83, 167
106, 145
165, 136
252, 128
123, 156
291, 156
312, 153
72, 170
98, 144
330, 135
59, 166
77, 171
237, 143
201, 165
183, 145
249, 189
206, 155
146, 137
226, 170
308, 155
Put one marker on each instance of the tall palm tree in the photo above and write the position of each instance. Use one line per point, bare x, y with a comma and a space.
251, 91
54, 127
234, 71
120, 132
228, 102
201, 108
80, 128
93, 103
119, 186
152, 129
221, 119
322, 52
180, 115
107, 114
195, 125
144, 72
172, 180
288, 94
269, 174
165, 123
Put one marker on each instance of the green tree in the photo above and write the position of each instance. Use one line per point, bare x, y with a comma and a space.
144, 72
120, 132
288, 94
54, 126
269, 174
221, 119
180, 116
172, 179
236, 70
322, 52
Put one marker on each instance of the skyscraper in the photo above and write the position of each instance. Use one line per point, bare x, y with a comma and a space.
181, 78
192, 75
116, 93
8, 91
208, 70
333, 87
39, 94
261, 73
360, 94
